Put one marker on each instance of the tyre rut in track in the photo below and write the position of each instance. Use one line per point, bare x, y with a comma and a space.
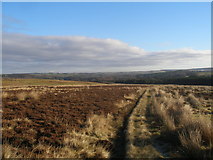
144, 137
139, 135
119, 149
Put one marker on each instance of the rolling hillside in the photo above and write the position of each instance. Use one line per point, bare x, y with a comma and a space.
201, 76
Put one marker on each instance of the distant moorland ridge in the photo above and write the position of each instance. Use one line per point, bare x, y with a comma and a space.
198, 76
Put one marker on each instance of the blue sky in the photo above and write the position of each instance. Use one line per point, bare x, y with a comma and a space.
153, 27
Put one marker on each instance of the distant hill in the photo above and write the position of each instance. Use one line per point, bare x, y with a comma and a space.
197, 76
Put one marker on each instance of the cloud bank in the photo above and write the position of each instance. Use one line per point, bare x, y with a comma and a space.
25, 53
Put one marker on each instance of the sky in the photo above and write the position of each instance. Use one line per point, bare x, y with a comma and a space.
105, 37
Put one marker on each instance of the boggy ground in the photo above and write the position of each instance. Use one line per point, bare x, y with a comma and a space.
43, 115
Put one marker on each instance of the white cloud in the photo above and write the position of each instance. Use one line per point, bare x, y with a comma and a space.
26, 53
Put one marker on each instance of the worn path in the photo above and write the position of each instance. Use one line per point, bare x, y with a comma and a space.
140, 135
119, 150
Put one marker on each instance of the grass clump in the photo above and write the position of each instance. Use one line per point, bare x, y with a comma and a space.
34, 94
4, 94
22, 96
196, 137
193, 133
194, 101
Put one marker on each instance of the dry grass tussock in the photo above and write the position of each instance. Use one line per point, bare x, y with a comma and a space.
201, 123
161, 112
196, 137
130, 96
195, 133
101, 126
10, 152
35, 95
194, 101
191, 140
128, 99
4, 94
122, 103
24, 95
93, 141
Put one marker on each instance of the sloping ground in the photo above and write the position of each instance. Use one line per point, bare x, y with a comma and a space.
200, 76
9, 82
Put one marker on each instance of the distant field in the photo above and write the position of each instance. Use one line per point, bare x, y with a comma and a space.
32, 82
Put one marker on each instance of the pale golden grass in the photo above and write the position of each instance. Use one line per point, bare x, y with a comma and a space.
4, 94
34, 94
191, 141
206, 129
162, 113
130, 96
24, 95
195, 133
169, 122
168, 109
203, 124
84, 144
21, 96
9, 151
101, 126
191, 123
194, 101
122, 103
93, 141
196, 138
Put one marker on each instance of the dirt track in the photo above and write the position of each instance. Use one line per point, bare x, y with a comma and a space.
142, 136
121, 141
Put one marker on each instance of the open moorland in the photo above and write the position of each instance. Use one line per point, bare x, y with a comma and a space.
106, 121
16, 82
